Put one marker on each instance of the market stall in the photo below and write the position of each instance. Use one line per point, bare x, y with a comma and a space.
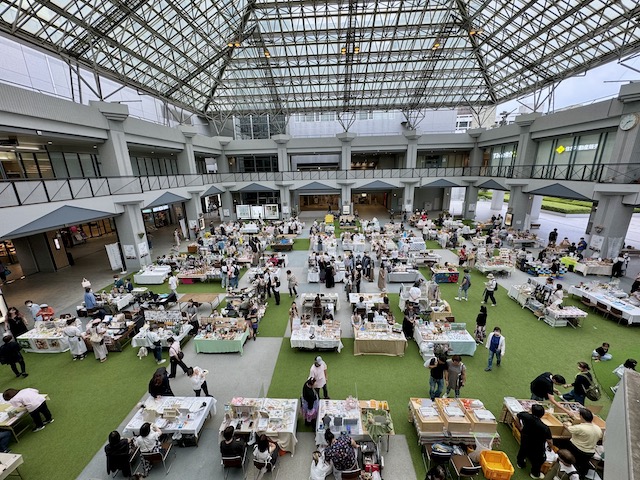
221, 335
561, 317
402, 274
362, 420
275, 417
453, 420
444, 275
369, 299
152, 275
497, 266
170, 323
331, 300
440, 310
185, 415
211, 299
452, 338
379, 339
45, 338
520, 293
325, 337
282, 245
118, 335
594, 267
554, 420
601, 293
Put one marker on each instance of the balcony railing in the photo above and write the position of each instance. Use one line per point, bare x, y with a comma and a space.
18, 192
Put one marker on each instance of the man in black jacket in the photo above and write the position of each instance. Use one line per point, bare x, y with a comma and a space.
534, 435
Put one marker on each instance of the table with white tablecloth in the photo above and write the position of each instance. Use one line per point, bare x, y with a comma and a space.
119, 301
313, 276
403, 276
141, 340
44, 341
316, 338
561, 317
307, 299
458, 341
507, 268
275, 417
630, 313
192, 414
593, 268
152, 275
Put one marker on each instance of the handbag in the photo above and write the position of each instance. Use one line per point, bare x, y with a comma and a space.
7, 272
180, 355
86, 283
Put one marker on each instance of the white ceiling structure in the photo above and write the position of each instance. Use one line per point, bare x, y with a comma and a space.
235, 57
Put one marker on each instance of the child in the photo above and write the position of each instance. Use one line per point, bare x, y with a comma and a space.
199, 380
481, 325
564, 467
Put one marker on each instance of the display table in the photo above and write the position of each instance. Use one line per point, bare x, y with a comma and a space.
444, 275
15, 420
251, 228
152, 275
403, 276
185, 415
369, 342
45, 340
555, 421
327, 299
275, 417
317, 338
456, 341
141, 340
506, 268
213, 299
352, 418
425, 258
313, 276
520, 293
118, 336
568, 315
282, 245
594, 268
630, 313
9, 463
368, 298
440, 310
216, 343
433, 423
115, 303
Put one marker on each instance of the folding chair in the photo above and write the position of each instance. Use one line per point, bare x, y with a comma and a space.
464, 467
234, 462
159, 457
262, 467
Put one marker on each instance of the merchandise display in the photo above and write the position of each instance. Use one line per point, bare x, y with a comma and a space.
221, 335
609, 297
45, 338
178, 332
444, 275
275, 417
152, 275
173, 415
379, 339
452, 338
325, 337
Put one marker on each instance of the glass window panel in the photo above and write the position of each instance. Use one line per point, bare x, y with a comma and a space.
58, 164
88, 168
134, 166
10, 165
44, 165
73, 165
29, 165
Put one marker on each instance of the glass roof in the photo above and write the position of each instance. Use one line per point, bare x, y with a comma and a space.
286, 56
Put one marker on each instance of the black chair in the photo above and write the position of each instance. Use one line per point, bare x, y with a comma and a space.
234, 462
263, 467
435, 457
351, 474
159, 457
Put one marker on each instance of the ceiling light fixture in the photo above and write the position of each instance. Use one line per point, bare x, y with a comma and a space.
267, 54
343, 50
476, 31
356, 49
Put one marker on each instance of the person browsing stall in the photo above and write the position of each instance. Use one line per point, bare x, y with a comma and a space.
340, 451
33, 401
318, 372
543, 389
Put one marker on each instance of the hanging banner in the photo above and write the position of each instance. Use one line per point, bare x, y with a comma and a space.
129, 251
183, 228
143, 248
113, 252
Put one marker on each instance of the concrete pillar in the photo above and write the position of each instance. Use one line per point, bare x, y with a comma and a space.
345, 191
114, 153
536, 207
285, 199
412, 137
446, 199
470, 202
130, 225
497, 200
283, 157
519, 205
186, 158
345, 158
223, 160
227, 205
193, 211
609, 225
408, 195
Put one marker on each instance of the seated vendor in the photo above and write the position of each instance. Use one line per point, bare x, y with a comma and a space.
356, 321
230, 446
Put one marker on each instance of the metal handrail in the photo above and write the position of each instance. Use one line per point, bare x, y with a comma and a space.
30, 191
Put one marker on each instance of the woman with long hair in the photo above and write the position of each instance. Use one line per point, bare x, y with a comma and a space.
310, 402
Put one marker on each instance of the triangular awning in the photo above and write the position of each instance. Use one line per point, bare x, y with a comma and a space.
255, 187
558, 190
62, 217
166, 199
213, 190
492, 185
377, 185
316, 187
440, 183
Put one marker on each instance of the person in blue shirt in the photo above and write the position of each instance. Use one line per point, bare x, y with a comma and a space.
91, 303
117, 281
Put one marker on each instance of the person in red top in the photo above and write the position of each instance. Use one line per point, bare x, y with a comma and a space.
46, 312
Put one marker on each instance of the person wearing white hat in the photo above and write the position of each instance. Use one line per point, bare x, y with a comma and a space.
489, 288
318, 372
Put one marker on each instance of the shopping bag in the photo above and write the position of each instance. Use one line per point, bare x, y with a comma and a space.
86, 283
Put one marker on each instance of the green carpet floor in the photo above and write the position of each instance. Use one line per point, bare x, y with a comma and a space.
89, 399
532, 347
